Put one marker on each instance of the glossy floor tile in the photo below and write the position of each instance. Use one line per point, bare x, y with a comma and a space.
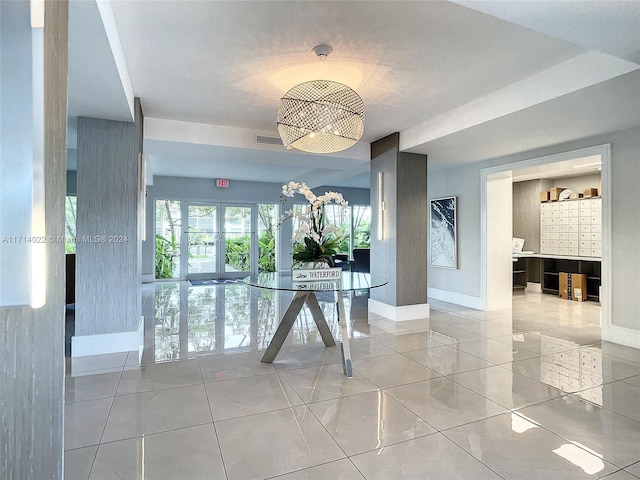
424, 459
447, 360
153, 412
506, 388
611, 436
158, 376
443, 403
368, 421
78, 463
179, 454
530, 392
519, 449
247, 396
392, 370
84, 422
91, 386
273, 443
634, 469
325, 382
340, 469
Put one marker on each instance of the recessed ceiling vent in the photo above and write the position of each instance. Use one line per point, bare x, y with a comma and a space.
269, 140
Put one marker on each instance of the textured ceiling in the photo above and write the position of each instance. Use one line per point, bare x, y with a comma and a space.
462, 81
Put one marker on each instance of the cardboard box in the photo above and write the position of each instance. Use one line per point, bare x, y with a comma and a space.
590, 192
544, 196
573, 286
575, 195
555, 193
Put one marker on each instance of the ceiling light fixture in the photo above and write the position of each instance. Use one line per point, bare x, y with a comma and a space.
321, 116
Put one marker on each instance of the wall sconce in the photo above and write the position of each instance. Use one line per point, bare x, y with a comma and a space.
381, 205
38, 284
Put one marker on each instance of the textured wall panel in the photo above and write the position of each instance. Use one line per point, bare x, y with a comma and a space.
526, 213
401, 255
384, 158
32, 341
107, 272
412, 221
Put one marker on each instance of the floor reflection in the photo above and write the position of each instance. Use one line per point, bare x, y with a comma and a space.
182, 320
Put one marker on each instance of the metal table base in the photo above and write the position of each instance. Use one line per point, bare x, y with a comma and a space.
289, 318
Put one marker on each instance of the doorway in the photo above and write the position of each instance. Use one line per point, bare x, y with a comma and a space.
219, 241
496, 265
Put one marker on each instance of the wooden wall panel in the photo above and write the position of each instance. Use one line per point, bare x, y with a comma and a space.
526, 213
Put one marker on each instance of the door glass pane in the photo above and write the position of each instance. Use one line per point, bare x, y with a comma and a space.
341, 218
267, 216
70, 224
202, 239
168, 221
237, 227
361, 226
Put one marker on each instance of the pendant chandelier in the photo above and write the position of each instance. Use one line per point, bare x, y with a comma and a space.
320, 116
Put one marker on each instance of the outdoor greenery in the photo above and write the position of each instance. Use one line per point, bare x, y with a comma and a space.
70, 224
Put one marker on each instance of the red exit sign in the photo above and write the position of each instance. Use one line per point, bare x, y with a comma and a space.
222, 183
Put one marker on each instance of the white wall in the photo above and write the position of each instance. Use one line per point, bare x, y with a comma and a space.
465, 182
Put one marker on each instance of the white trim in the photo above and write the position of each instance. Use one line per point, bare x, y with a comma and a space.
109, 23
533, 287
606, 273
85, 345
455, 298
622, 336
399, 313
148, 277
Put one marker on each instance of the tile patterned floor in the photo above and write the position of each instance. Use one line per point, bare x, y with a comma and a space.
526, 393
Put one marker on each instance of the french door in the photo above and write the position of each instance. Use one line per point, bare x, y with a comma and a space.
219, 241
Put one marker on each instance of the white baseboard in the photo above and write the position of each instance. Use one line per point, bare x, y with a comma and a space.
148, 278
399, 313
533, 287
622, 336
84, 345
456, 298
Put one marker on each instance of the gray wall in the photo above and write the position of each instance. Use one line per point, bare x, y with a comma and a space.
108, 298
526, 213
580, 183
205, 190
465, 183
401, 256
32, 341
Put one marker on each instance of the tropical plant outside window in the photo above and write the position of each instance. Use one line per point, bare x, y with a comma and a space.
70, 224
353, 224
168, 221
267, 216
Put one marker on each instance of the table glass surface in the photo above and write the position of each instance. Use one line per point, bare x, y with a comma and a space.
348, 281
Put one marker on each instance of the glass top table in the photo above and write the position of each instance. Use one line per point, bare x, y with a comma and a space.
305, 294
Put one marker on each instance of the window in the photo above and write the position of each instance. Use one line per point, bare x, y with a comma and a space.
267, 216
168, 218
354, 224
70, 205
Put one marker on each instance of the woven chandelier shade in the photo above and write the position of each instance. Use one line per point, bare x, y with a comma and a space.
320, 116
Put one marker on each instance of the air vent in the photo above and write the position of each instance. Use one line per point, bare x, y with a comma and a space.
269, 140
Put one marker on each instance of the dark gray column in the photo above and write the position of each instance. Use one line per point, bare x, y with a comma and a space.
32, 340
399, 248
108, 296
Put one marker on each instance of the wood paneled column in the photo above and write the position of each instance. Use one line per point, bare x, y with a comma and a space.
399, 230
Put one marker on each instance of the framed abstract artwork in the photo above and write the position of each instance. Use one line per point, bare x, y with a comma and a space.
443, 233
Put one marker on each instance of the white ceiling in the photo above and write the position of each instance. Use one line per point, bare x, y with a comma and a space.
442, 74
